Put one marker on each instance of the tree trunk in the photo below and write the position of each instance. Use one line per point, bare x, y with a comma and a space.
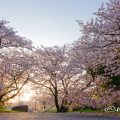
1, 103
64, 107
56, 103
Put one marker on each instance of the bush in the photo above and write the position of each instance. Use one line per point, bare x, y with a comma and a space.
22, 108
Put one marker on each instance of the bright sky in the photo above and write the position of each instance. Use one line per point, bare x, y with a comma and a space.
48, 22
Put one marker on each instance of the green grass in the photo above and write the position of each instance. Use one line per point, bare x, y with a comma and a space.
87, 110
95, 111
4, 109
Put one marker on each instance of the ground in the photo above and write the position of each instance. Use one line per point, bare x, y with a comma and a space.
56, 116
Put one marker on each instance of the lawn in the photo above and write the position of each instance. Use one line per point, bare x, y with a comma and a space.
4, 109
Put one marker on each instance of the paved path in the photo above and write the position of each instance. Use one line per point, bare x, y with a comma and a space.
55, 116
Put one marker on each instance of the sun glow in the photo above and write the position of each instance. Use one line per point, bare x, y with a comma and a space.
25, 95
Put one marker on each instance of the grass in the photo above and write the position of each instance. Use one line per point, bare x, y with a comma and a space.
4, 109
87, 110
50, 110
53, 110
95, 111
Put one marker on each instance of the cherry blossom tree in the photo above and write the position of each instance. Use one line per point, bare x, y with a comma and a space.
15, 72
50, 62
9, 38
98, 51
9, 41
99, 46
59, 72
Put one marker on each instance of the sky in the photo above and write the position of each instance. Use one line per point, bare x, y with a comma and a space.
48, 22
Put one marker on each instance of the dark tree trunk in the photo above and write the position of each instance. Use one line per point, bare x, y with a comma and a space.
1, 103
56, 103
64, 107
